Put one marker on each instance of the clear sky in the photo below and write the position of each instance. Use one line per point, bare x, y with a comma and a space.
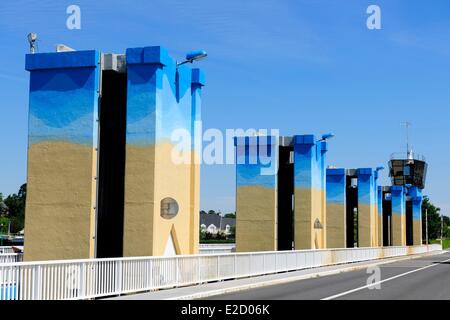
301, 66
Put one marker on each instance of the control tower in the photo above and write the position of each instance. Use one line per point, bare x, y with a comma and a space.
408, 168
402, 203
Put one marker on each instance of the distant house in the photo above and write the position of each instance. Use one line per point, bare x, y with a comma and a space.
213, 223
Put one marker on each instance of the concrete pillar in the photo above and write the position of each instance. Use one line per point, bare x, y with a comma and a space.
309, 193
256, 193
198, 81
367, 235
161, 184
398, 216
336, 208
380, 215
417, 199
62, 155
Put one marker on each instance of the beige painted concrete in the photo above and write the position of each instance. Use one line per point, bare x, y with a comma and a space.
256, 223
367, 226
398, 230
195, 202
309, 205
417, 232
139, 201
60, 212
336, 226
151, 176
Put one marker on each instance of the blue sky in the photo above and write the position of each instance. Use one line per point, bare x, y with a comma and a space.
302, 67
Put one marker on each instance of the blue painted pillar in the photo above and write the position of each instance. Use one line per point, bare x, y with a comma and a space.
336, 208
159, 169
256, 193
380, 215
309, 192
377, 212
367, 235
62, 155
417, 199
197, 83
398, 216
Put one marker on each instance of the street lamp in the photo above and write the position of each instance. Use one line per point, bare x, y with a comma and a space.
327, 136
190, 58
194, 56
32, 38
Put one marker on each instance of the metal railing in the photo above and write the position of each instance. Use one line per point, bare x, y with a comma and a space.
93, 278
406, 156
216, 248
6, 249
10, 257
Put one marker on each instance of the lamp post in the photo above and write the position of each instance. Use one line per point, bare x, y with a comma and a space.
426, 227
442, 228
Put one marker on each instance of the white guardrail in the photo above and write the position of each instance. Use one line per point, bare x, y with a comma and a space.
93, 278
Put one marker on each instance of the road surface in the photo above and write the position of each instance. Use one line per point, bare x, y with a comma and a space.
416, 279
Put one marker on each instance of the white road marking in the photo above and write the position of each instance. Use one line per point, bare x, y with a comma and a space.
379, 282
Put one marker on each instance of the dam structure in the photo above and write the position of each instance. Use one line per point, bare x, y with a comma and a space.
101, 180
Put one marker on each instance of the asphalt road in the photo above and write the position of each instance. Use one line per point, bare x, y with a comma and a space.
426, 278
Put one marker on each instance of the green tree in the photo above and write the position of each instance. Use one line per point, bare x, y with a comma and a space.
434, 220
446, 227
230, 215
3, 207
232, 234
16, 208
211, 212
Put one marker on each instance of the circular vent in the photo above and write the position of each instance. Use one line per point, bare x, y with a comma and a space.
169, 208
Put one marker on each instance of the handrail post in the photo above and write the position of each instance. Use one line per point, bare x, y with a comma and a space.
120, 277
199, 270
218, 268
235, 266
177, 276
82, 280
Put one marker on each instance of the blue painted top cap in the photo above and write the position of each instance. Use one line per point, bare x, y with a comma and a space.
364, 171
198, 77
60, 60
149, 55
305, 139
336, 172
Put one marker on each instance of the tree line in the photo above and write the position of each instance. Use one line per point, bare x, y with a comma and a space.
434, 221
12, 211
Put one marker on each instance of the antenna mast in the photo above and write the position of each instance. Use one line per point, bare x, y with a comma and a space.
409, 154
